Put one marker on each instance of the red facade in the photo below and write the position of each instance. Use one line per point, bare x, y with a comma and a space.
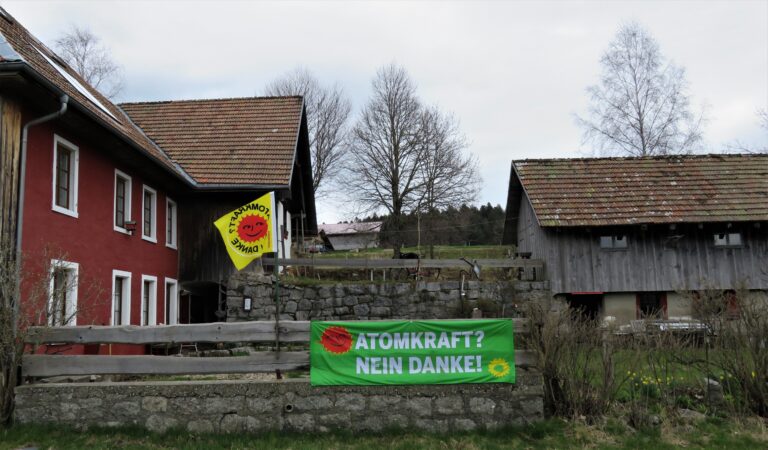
90, 240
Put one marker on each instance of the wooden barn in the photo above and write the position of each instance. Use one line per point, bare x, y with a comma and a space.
121, 199
630, 237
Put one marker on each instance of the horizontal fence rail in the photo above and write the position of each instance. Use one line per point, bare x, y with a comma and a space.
364, 263
258, 331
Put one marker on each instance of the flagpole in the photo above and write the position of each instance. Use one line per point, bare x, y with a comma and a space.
277, 276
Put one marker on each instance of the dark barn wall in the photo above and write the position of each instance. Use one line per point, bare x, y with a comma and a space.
657, 259
204, 257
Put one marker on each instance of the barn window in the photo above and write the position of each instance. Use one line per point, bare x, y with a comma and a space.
149, 214
121, 297
728, 240
122, 201
613, 242
65, 162
62, 299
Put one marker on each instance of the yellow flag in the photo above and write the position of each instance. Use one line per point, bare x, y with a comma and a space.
249, 231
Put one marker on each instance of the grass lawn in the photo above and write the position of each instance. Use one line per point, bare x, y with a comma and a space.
712, 433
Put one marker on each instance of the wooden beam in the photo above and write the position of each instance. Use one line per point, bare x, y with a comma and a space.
57, 365
256, 331
364, 263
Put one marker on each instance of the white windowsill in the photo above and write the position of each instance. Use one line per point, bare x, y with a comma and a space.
149, 239
66, 212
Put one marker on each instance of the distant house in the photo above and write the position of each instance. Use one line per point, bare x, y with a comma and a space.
623, 237
350, 236
124, 197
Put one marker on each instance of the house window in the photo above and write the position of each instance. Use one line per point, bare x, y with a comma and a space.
149, 214
651, 305
728, 240
65, 163
122, 201
171, 301
121, 297
148, 300
170, 223
62, 299
614, 242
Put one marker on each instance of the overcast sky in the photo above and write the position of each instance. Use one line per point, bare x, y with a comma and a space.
514, 72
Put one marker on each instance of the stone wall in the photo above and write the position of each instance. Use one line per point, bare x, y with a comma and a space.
288, 405
420, 300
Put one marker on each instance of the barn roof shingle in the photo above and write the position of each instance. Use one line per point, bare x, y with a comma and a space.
646, 190
225, 141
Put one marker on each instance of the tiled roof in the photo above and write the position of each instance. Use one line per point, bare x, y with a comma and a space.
350, 228
24, 47
226, 141
648, 190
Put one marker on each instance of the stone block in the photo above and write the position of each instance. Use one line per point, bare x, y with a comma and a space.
299, 422
383, 402
260, 405
324, 292
305, 305
200, 426
312, 403
290, 307
484, 406
433, 287
431, 425
302, 315
350, 301
160, 424
452, 404
421, 406
350, 402
362, 310
381, 311
461, 424
154, 404
309, 293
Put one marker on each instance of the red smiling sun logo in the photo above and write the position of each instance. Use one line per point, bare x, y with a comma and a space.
251, 228
336, 340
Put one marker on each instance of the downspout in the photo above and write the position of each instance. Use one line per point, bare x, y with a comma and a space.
22, 179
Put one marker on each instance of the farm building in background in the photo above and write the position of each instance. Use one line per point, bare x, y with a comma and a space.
350, 236
628, 237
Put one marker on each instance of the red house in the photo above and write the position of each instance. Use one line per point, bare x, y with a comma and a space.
115, 204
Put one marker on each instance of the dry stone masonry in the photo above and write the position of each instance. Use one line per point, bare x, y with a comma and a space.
371, 301
288, 405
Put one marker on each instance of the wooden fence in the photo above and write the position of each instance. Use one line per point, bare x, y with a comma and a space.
365, 263
36, 365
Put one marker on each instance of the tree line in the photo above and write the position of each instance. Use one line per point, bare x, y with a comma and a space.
462, 225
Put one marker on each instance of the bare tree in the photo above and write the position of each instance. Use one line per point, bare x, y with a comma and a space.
641, 106
450, 178
386, 153
81, 49
328, 110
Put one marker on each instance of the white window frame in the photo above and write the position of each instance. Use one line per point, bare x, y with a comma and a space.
125, 318
70, 308
152, 307
172, 311
153, 236
128, 196
173, 243
728, 238
73, 174
614, 239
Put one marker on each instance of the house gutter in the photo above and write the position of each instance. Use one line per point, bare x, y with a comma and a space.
64, 99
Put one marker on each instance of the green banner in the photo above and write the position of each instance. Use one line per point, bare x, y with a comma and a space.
412, 352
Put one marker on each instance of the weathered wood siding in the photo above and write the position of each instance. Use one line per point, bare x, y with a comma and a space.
657, 259
10, 152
